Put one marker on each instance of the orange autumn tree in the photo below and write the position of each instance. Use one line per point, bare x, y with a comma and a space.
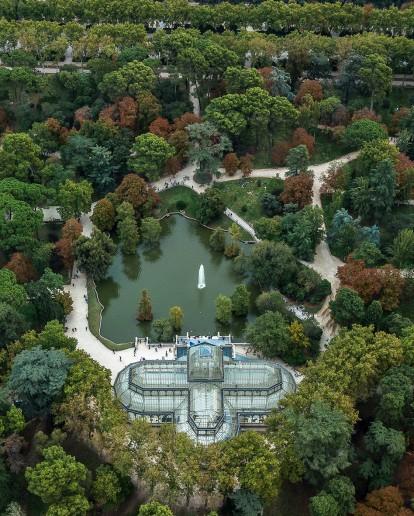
302, 137
309, 87
22, 268
64, 247
384, 283
160, 127
231, 163
279, 152
386, 501
298, 190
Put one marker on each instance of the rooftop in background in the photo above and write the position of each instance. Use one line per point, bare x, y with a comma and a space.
206, 393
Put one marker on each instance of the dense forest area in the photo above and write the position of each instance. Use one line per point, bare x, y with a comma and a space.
132, 109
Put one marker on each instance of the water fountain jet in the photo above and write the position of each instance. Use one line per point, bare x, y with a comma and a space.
201, 277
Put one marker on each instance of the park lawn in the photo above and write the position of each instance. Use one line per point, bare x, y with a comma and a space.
326, 149
182, 194
243, 196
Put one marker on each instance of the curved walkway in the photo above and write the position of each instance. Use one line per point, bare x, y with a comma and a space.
324, 263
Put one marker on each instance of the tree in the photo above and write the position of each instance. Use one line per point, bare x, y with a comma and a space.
223, 309
151, 231
402, 249
373, 196
22, 267
269, 334
384, 449
302, 137
58, 480
363, 131
103, 216
36, 392
140, 194
268, 229
106, 488
272, 264
309, 87
12, 324
303, 231
217, 240
374, 314
176, 317
74, 198
44, 298
71, 230
324, 504
94, 254
19, 225
127, 228
297, 160
20, 158
369, 253
163, 329
240, 300
238, 79
211, 205
298, 190
144, 307
246, 165
271, 301
207, 146
322, 437
149, 154
347, 308
11, 293
231, 163
376, 76
131, 79
154, 509
53, 337
387, 500
245, 503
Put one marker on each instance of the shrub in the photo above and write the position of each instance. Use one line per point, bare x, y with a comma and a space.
363, 131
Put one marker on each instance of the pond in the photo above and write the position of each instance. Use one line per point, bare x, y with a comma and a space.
170, 274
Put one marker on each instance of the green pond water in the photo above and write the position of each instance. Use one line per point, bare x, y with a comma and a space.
170, 274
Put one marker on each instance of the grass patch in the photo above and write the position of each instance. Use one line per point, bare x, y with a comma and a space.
183, 196
94, 319
243, 196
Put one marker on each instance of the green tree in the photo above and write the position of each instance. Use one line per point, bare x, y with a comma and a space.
211, 205
271, 301
324, 504
94, 254
376, 76
207, 148
223, 309
31, 193
374, 314
144, 307
245, 503
370, 253
269, 334
20, 158
176, 317
151, 231
103, 216
106, 488
154, 509
272, 264
127, 228
131, 79
347, 308
268, 229
240, 300
149, 154
163, 329
297, 160
384, 450
19, 225
322, 440
58, 480
403, 249
45, 298
36, 392
11, 293
217, 240
362, 131
74, 199
12, 324
238, 79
